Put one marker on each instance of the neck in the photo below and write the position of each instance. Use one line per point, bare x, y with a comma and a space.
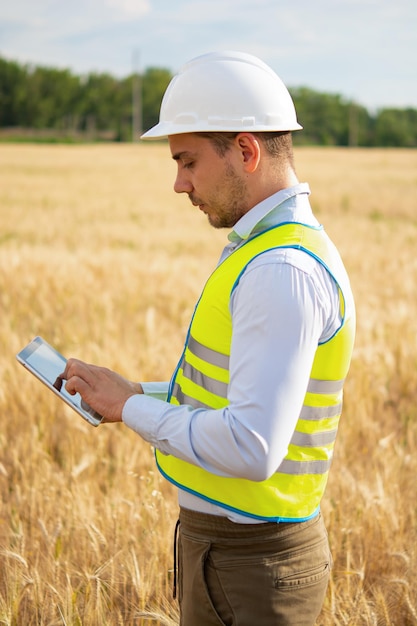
273, 184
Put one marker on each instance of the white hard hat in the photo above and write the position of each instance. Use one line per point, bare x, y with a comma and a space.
225, 91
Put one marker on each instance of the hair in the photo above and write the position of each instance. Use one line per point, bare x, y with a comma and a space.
220, 141
278, 144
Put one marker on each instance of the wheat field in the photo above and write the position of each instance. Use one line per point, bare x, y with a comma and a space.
101, 258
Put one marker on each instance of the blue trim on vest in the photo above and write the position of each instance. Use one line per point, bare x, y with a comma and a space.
174, 375
277, 520
294, 247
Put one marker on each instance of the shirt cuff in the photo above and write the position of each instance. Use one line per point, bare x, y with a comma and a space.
142, 414
157, 390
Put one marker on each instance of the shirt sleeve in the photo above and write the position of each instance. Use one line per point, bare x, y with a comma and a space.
282, 307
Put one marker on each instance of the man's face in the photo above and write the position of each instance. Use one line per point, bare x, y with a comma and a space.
212, 182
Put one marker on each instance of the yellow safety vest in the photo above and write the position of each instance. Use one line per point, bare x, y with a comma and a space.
294, 491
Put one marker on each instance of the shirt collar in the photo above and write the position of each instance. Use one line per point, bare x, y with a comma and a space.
256, 219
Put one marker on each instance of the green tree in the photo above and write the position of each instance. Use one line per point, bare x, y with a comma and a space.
329, 119
396, 127
51, 96
324, 117
13, 79
48, 98
100, 102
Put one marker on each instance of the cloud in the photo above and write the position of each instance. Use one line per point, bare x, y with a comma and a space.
130, 8
361, 48
64, 15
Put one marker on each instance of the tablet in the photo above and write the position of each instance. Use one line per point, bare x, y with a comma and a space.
46, 363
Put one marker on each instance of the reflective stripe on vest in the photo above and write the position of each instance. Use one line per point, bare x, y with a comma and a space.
201, 381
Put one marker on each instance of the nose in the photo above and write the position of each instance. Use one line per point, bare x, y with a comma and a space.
182, 184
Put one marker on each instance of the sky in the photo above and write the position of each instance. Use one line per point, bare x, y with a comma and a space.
364, 50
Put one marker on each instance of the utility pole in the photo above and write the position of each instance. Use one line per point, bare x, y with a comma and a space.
136, 98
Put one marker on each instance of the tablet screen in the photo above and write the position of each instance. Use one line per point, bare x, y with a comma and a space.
47, 364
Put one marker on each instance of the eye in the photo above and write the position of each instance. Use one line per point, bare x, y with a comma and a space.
187, 165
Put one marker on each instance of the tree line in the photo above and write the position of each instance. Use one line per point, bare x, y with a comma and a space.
57, 104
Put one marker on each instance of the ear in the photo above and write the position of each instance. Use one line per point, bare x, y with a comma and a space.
250, 150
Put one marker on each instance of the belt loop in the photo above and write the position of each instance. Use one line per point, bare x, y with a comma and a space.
174, 586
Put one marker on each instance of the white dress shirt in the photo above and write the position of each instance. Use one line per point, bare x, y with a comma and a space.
283, 306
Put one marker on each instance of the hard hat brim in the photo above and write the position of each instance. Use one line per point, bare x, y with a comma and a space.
164, 129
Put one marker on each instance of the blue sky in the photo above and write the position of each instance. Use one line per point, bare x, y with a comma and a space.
365, 50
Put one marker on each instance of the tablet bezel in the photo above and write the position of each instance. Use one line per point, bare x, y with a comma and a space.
38, 369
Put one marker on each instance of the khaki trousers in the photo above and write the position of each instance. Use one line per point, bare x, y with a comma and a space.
251, 574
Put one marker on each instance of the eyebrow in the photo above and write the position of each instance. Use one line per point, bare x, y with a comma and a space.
185, 153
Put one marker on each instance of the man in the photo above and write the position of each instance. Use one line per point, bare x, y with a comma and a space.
253, 407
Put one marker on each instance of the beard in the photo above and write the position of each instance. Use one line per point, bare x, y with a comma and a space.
227, 203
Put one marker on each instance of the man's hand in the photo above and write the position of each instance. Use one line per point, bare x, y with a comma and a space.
103, 390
